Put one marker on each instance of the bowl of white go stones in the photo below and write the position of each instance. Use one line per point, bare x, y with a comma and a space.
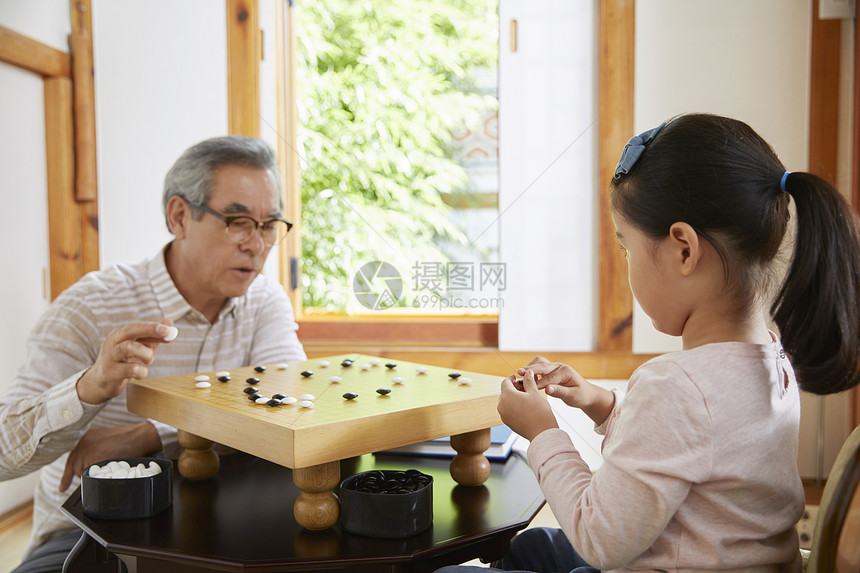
130, 488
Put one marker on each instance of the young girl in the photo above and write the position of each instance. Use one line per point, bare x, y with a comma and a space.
699, 465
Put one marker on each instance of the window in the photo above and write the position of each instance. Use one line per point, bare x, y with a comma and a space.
396, 140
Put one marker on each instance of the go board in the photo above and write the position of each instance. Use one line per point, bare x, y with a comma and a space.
424, 403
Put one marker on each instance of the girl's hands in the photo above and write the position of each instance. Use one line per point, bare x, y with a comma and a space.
563, 382
524, 410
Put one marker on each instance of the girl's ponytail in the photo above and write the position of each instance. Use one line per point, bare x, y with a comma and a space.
817, 308
720, 177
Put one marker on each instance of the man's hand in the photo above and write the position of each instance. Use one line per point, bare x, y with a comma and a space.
125, 353
563, 382
525, 411
108, 443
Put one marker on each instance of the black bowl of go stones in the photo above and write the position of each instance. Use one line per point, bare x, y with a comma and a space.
387, 503
131, 488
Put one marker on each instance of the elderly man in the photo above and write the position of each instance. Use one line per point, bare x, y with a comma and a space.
67, 407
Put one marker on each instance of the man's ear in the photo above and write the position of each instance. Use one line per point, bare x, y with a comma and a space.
686, 247
178, 216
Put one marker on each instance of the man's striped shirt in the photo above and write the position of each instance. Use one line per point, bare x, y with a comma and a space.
41, 417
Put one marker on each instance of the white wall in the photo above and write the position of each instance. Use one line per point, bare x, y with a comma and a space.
23, 285
161, 86
747, 60
268, 100
44, 20
548, 164
155, 99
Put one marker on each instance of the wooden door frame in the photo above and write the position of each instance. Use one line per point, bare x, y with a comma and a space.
244, 52
616, 104
70, 148
855, 174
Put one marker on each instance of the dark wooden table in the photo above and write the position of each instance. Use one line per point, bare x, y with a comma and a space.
242, 520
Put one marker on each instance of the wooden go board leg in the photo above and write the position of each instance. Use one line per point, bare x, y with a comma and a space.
470, 467
198, 460
317, 508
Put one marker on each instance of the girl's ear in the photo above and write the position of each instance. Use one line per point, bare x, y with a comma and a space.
178, 216
686, 248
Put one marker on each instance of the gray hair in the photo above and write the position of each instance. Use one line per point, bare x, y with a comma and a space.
191, 175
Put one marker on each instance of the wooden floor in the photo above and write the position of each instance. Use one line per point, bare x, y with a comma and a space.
14, 534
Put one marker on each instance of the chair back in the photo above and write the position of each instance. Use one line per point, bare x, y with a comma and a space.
836, 537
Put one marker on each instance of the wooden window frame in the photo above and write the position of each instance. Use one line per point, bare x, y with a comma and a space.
73, 201
474, 341
70, 146
469, 340
824, 123
855, 174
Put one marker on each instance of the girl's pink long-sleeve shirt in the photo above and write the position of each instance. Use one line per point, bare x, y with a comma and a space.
699, 467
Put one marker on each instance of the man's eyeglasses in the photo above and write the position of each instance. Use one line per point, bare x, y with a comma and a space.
241, 228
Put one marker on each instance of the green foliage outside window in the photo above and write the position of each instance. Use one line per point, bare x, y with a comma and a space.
381, 85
